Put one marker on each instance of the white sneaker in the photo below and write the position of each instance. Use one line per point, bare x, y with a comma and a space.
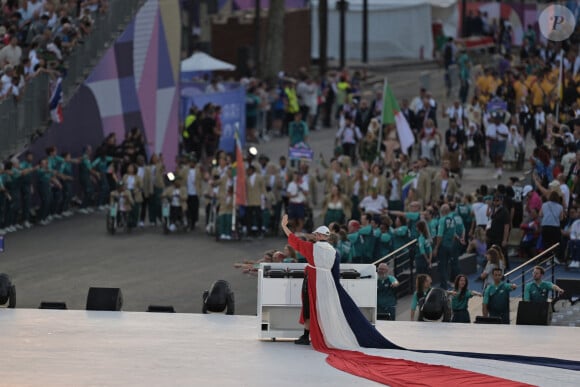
19, 227
172, 227
50, 218
90, 210
83, 211
44, 222
27, 224
228, 237
574, 264
141, 224
11, 229
68, 214
223, 236
2, 231
101, 208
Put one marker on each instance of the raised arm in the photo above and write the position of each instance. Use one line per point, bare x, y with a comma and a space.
303, 247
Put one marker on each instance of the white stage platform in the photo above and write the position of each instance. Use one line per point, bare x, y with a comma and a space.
81, 348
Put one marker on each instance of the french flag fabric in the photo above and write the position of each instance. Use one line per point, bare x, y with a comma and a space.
340, 330
55, 104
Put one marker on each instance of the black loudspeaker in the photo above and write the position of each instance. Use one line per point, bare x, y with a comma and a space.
487, 320
110, 299
52, 305
161, 309
534, 313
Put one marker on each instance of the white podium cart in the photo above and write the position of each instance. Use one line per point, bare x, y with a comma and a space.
279, 298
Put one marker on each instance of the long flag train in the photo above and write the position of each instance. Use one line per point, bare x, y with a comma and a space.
340, 330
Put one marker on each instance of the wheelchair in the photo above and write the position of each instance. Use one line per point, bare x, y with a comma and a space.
166, 218
117, 219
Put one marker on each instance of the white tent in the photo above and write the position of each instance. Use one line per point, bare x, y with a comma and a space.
201, 61
396, 28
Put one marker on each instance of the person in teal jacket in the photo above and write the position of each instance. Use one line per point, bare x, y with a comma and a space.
26, 169
496, 298
363, 241
385, 240
386, 293
423, 249
461, 295
101, 165
444, 245
537, 290
411, 217
401, 236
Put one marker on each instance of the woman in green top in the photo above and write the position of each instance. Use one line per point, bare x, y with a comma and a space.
336, 207
461, 295
424, 249
422, 286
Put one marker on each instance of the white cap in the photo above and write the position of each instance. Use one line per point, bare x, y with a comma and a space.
527, 189
323, 230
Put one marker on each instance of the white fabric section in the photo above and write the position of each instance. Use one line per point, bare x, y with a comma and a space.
201, 61
446, 12
108, 96
406, 138
389, 29
144, 22
331, 319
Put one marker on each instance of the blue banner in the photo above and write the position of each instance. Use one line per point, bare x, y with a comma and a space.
233, 104
300, 151
496, 105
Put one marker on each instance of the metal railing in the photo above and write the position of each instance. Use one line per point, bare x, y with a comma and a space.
546, 257
22, 119
403, 260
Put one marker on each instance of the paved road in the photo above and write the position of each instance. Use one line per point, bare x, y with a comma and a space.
61, 261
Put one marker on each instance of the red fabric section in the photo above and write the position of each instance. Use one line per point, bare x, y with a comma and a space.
307, 250
406, 373
303, 247
392, 372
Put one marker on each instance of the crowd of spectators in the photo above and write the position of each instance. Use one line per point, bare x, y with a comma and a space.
37, 35
374, 196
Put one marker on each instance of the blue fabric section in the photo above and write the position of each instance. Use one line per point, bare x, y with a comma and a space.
368, 337
530, 360
366, 334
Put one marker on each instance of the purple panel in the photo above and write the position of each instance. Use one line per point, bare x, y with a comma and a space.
129, 95
169, 148
106, 69
128, 34
147, 90
114, 124
124, 55
164, 71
